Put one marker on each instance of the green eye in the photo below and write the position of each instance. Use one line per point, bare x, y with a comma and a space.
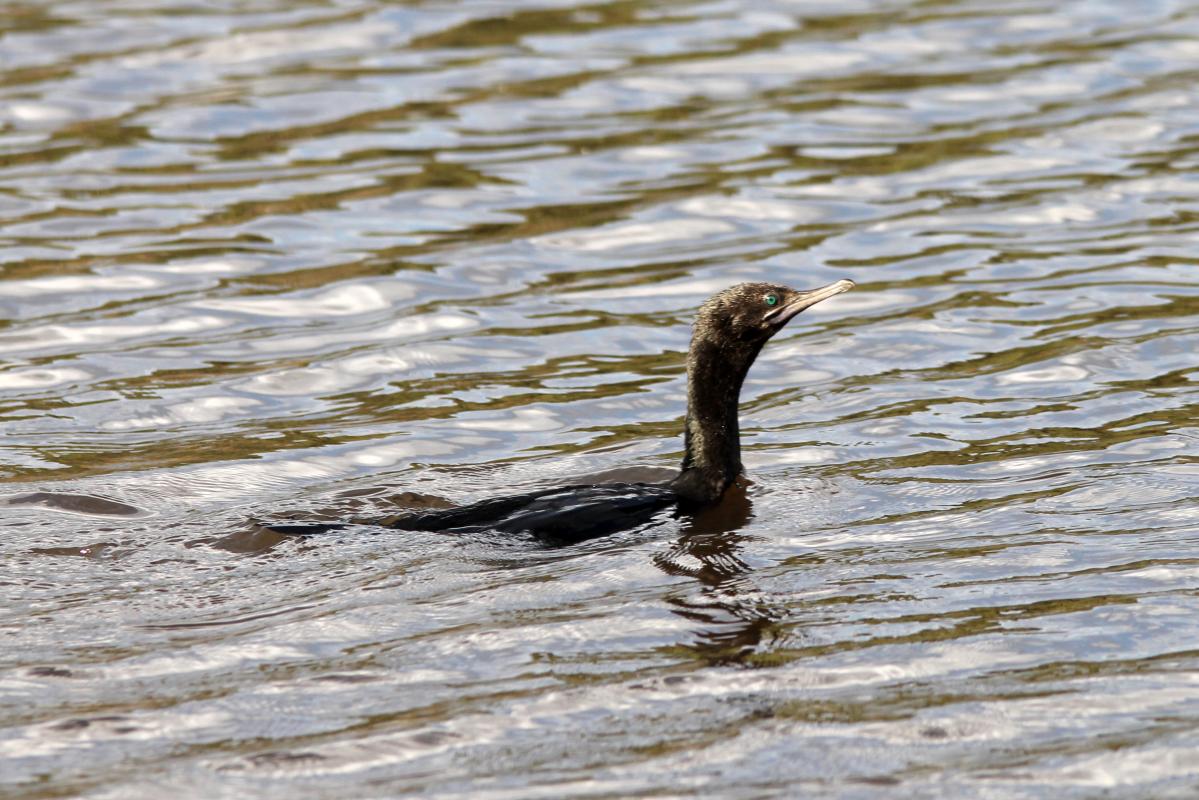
772, 299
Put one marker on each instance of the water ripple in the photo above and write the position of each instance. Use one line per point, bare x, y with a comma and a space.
340, 259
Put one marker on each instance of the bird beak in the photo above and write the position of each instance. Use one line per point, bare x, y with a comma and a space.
801, 300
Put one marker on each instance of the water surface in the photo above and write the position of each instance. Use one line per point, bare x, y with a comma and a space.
337, 258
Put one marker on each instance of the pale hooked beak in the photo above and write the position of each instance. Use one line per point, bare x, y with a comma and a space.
802, 300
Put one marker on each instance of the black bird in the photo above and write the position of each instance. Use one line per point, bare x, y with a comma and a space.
729, 332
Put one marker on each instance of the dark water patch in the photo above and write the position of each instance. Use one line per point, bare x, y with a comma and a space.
75, 504
96, 551
50, 672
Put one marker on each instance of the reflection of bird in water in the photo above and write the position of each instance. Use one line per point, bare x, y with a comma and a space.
732, 621
729, 331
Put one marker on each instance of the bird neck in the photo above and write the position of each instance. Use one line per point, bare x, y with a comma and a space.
712, 436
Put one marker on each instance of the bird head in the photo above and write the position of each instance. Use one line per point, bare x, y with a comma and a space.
750, 313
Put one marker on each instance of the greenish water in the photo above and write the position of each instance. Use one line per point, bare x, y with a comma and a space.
339, 257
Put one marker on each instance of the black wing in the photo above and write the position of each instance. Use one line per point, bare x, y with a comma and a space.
555, 516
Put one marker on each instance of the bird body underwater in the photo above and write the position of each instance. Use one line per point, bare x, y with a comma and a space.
729, 331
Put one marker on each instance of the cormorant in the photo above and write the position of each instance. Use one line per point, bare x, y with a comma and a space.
729, 332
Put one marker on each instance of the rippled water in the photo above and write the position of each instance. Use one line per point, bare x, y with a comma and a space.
333, 258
